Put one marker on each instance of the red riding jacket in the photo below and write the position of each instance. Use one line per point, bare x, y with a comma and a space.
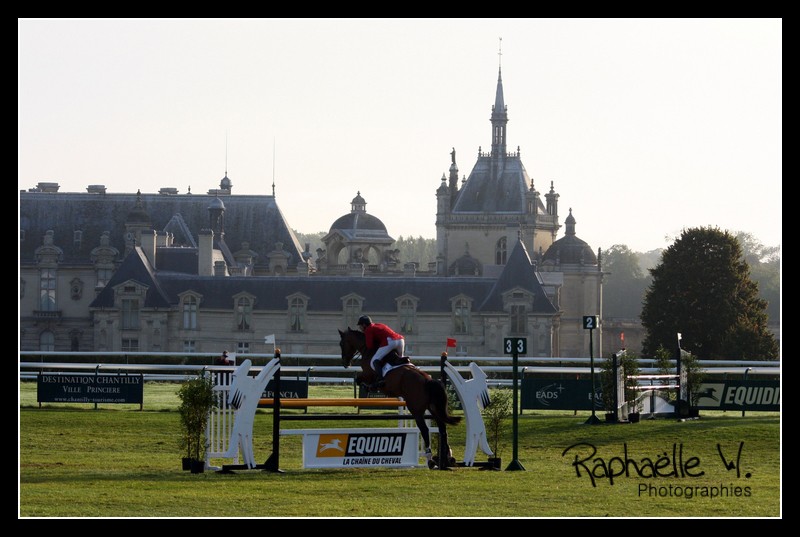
376, 335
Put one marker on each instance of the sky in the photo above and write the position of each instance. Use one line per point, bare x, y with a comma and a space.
644, 127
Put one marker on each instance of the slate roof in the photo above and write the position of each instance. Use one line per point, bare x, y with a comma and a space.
494, 191
519, 272
325, 292
251, 218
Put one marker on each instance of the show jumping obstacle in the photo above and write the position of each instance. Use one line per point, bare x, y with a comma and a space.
392, 447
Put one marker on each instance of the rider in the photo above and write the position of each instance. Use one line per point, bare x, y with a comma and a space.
384, 339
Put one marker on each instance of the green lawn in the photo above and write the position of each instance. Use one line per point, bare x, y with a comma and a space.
117, 461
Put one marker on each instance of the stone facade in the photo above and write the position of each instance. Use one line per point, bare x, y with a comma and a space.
172, 272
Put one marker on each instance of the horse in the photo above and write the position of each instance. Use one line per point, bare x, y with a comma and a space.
417, 388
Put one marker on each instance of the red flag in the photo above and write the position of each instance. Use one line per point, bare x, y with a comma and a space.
451, 342
622, 337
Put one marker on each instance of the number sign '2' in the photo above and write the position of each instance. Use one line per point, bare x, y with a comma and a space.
515, 345
589, 322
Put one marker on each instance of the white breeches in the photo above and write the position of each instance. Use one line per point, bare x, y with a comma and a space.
392, 344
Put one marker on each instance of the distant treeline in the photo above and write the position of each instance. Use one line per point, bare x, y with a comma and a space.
629, 276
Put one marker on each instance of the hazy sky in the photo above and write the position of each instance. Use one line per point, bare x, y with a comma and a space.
644, 126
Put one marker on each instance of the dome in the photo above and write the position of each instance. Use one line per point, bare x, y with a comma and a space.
216, 203
466, 265
358, 200
358, 221
570, 249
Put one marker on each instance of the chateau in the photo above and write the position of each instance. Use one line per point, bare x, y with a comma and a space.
170, 272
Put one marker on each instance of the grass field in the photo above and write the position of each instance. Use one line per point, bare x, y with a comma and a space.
117, 461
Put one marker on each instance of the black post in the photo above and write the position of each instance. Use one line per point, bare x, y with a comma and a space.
444, 448
273, 462
593, 419
515, 464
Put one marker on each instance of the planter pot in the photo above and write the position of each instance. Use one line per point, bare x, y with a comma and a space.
198, 467
186, 463
611, 417
633, 417
495, 463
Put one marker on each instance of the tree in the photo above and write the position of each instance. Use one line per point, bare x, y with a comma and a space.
765, 269
625, 285
702, 289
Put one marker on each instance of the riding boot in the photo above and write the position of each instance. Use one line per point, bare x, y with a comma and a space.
379, 381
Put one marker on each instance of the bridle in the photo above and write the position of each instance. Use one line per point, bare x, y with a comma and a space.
357, 353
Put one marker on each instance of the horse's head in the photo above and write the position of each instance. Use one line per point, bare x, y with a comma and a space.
351, 343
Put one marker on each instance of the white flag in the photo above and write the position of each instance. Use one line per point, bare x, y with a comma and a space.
269, 339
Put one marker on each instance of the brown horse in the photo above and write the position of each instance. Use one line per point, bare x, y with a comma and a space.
417, 388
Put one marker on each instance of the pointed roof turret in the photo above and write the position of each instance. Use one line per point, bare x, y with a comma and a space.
519, 273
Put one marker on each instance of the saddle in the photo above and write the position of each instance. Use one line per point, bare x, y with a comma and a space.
394, 359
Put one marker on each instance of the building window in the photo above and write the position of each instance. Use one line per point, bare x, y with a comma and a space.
130, 345
47, 290
352, 311
297, 314
103, 275
47, 341
188, 345
461, 314
500, 252
242, 347
190, 313
243, 314
77, 238
407, 312
130, 314
519, 320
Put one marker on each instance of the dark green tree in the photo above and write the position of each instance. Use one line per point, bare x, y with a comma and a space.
703, 290
625, 284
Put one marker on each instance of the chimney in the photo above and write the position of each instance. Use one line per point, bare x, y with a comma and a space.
205, 252
148, 241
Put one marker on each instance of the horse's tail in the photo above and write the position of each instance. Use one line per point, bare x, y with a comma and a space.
438, 405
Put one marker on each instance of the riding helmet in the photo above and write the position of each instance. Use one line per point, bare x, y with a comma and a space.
364, 320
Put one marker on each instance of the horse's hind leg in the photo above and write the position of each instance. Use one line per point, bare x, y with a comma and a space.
445, 455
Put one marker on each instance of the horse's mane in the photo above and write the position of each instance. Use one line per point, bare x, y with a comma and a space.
358, 334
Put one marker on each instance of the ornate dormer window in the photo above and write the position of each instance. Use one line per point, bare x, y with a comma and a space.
244, 313
462, 307
407, 314
297, 313
352, 306
189, 306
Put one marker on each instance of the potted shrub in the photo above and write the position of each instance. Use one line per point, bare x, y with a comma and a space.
630, 366
608, 387
197, 400
694, 377
495, 419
